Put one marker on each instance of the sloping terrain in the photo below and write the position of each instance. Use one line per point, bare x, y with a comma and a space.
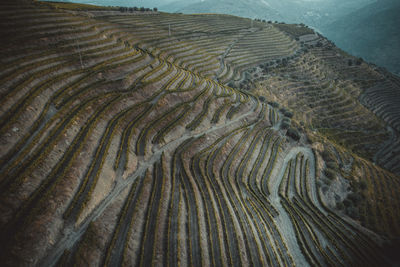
371, 32
137, 138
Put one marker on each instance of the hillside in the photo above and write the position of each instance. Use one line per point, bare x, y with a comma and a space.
138, 138
364, 28
371, 32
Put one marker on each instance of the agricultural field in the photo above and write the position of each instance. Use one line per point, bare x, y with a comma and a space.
149, 138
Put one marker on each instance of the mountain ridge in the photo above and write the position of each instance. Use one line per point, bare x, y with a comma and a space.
381, 42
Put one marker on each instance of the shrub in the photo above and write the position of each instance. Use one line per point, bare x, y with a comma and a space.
274, 104
339, 205
354, 197
155, 9
332, 165
293, 133
350, 62
285, 125
288, 114
329, 174
363, 185
353, 212
327, 156
347, 203
142, 9
261, 98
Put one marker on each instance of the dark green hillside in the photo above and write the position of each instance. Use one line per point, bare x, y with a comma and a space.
372, 33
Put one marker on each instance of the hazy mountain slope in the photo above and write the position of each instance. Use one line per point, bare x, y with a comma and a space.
250, 9
372, 32
125, 3
313, 13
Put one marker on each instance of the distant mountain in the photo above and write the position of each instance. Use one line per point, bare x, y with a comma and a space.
251, 9
127, 3
371, 32
311, 12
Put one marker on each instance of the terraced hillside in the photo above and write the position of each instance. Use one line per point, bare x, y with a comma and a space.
128, 138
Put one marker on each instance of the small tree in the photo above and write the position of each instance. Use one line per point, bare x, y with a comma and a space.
339, 205
286, 112
331, 165
155, 9
363, 185
285, 125
142, 9
353, 212
347, 203
293, 133
354, 197
329, 174
350, 62
274, 104
289, 114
